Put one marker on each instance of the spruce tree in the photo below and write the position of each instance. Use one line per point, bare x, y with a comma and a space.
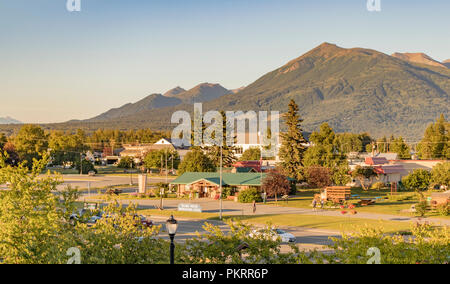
292, 148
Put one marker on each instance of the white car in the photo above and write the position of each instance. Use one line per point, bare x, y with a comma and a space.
275, 234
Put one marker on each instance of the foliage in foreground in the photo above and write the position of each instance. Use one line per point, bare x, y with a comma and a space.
35, 227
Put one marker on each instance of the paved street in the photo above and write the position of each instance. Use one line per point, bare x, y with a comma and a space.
307, 239
101, 181
235, 208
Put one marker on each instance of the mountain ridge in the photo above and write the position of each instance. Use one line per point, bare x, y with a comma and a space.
420, 58
9, 120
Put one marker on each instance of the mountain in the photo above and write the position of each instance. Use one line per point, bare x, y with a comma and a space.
354, 90
420, 58
201, 93
173, 92
447, 63
150, 102
234, 91
9, 120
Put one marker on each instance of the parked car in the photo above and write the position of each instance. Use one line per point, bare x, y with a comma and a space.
274, 234
144, 221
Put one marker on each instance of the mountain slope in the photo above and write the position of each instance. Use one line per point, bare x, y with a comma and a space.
447, 63
420, 58
9, 120
352, 89
150, 102
173, 92
201, 93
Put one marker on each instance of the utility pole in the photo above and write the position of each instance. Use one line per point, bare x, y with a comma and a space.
261, 171
220, 197
131, 173
81, 164
166, 168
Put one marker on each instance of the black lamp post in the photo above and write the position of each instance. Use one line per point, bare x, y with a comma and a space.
172, 226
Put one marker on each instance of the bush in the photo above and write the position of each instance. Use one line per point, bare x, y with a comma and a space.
421, 208
378, 185
318, 177
417, 180
443, 209
249, 195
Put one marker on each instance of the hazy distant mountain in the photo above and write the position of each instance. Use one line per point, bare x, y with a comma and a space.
447, 63
9, 120
201, 93
420, 58
148, 103
174, 92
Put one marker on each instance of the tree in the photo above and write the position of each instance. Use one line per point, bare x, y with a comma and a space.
196, 161
419, 179
126, 163
364, 174
324, 150
87, 166
276, 184
318, 176
436, 141
293, 143
30, 143
441, 174
157, 159
341, 176
251, 154
214, 152
3, 140
66, 148
399, 146
12, 155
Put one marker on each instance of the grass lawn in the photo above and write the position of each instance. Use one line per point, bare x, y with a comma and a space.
394, 206
346, 224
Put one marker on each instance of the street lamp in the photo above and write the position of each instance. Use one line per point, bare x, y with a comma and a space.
172, 226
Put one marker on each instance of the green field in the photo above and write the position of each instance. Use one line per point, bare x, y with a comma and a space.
387, 205
346, 224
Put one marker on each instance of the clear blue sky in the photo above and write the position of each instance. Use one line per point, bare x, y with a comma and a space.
56, 65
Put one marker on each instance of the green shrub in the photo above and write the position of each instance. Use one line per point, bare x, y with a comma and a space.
249, 195
417, 180
378, 185
421, 208
443, 209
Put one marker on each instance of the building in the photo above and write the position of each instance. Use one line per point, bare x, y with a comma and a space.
139, 151
207, 185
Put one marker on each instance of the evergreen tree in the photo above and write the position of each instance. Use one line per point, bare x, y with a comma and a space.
399, 146
293, 149
436, 141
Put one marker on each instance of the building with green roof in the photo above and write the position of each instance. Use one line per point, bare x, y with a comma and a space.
208, 184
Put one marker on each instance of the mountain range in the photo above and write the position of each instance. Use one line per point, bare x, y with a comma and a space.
354, 90
199, 94
9, 120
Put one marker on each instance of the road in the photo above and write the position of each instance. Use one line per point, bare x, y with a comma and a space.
102, 181
307, 239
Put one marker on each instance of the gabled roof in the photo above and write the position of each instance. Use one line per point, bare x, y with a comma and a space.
231, 179
376, 161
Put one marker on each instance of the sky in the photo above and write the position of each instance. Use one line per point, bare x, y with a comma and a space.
57, 65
